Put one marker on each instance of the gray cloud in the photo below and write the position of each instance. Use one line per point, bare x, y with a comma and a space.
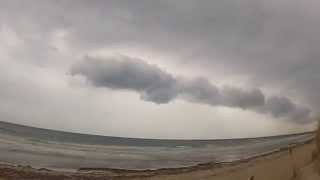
263, 46
266, 40
151, 82
158, 86
202, 91
280, 106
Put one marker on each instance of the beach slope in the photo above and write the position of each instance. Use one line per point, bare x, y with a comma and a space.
292, 163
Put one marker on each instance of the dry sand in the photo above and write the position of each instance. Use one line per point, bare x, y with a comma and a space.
294, 163
311, 171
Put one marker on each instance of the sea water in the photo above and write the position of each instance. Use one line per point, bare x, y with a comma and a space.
69, 151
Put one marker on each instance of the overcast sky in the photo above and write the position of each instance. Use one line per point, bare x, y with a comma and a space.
161, 69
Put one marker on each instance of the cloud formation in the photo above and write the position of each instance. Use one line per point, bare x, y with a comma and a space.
251, 55
158, 86
151, 82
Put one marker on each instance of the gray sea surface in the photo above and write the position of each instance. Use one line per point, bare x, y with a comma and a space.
69, 151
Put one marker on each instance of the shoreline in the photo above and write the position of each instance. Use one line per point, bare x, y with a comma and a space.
11, 171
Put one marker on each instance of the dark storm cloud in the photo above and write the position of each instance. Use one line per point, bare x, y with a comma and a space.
152, 83
158, 86
280, 106
202, 91
274, 44
270, 41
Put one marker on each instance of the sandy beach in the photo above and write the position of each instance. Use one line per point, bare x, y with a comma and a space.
292, 163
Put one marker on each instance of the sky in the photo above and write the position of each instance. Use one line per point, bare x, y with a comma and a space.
174, 69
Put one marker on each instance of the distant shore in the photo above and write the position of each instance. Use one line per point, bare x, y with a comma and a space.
282, 165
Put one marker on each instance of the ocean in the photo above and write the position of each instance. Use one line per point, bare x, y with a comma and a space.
59, 150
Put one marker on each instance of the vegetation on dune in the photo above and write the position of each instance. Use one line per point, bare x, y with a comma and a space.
318, 145
318, 137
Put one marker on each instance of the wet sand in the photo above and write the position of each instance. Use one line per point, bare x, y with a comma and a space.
289, 163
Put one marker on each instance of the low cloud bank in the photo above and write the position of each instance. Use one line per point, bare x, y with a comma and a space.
158, 86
